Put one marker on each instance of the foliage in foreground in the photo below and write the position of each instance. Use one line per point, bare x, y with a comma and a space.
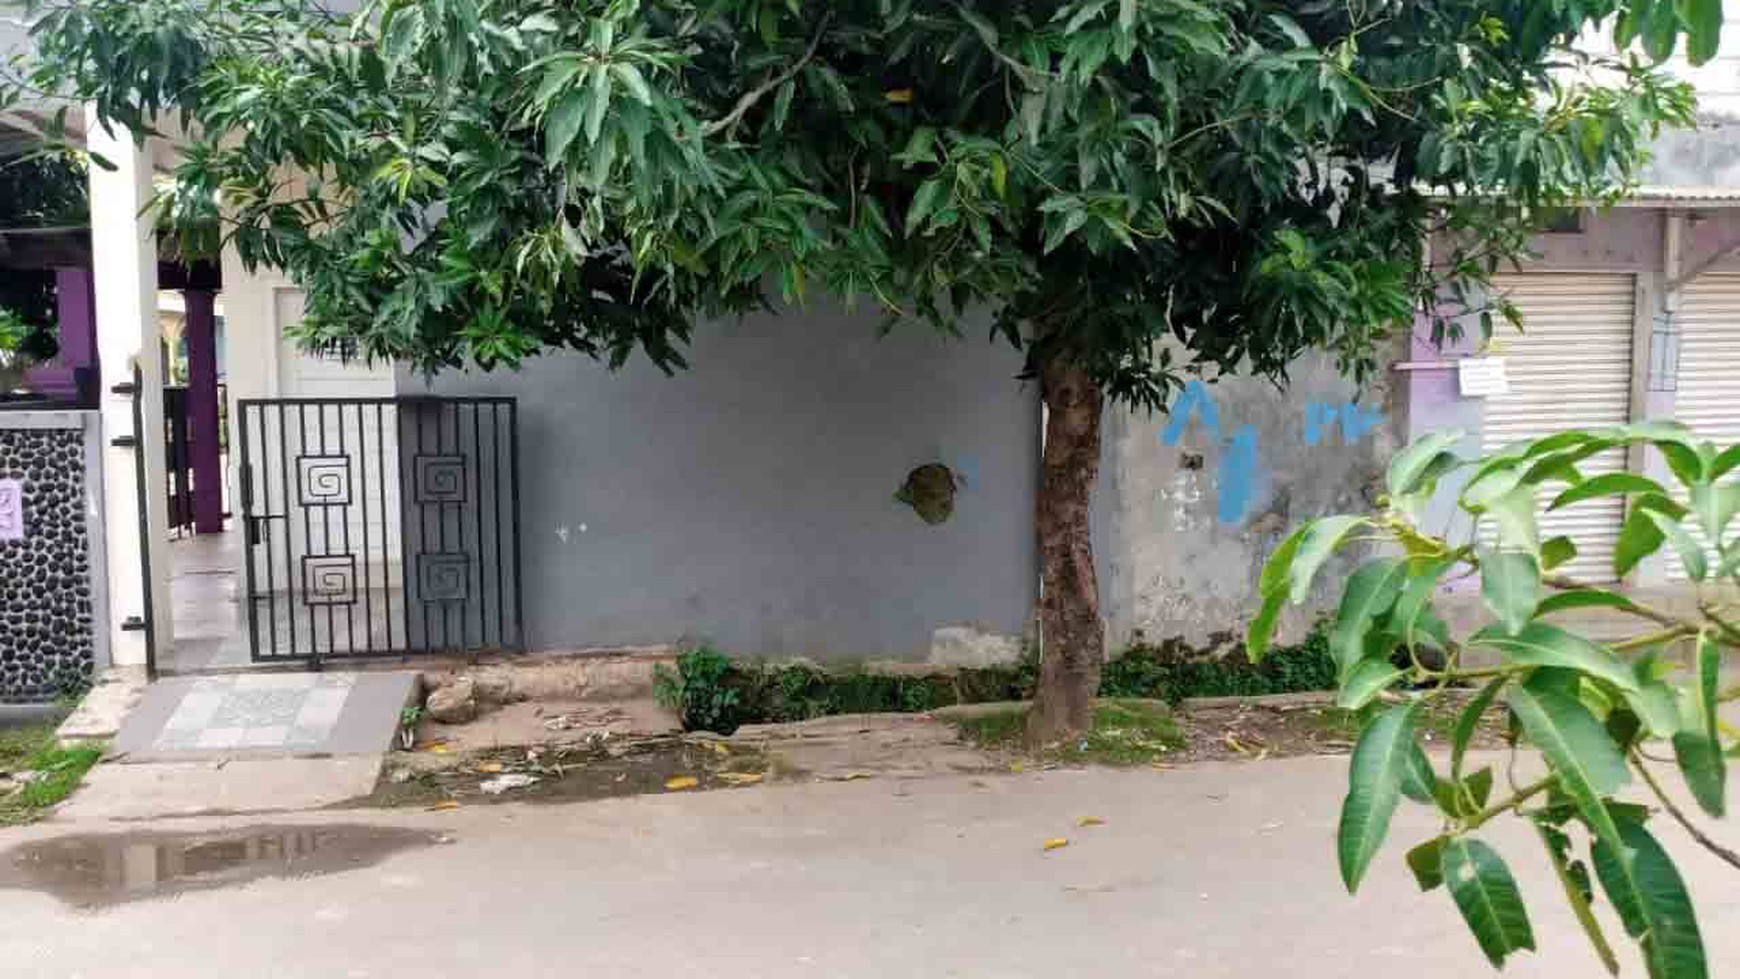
713, 692
1600, 713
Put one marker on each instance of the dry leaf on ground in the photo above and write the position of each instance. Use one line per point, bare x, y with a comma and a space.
1056, 843
679, 782
1090, 821
444, 805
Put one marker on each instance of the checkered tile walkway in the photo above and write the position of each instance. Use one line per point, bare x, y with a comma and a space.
267, 713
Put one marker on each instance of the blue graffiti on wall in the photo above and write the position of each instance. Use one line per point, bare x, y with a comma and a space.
1240, 466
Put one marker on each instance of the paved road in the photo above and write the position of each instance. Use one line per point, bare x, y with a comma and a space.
1217, 870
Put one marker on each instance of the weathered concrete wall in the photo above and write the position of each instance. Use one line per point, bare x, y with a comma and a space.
750, 500
1188, 510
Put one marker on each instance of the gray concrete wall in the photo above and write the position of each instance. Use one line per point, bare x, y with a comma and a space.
1183, 529
750, 500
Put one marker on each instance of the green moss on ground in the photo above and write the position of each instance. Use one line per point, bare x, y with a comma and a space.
1126, 732
34, 749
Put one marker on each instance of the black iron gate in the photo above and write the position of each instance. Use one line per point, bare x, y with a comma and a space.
381, 526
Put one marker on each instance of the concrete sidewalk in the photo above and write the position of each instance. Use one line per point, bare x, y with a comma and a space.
1217, 870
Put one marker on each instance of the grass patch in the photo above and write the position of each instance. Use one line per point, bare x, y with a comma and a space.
33, 749
1125, 732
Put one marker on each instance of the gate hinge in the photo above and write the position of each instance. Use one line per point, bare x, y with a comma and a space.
124, 442
133, 623
125, 388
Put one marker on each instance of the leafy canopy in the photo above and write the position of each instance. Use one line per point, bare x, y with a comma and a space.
471, 181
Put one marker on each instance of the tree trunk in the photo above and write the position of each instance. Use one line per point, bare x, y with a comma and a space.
1073, 640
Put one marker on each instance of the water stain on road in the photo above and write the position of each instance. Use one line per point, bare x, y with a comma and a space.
97, 871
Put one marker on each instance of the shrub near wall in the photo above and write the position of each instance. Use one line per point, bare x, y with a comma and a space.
713, 692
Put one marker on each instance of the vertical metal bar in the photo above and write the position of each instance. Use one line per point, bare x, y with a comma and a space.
455, 609
422, 534
362, 470
325, 531
265, 467
353, 485
476, 469
307, 531
405, 579
247, 501
519, 588
386, 528
143, 486
495, 521
284, 479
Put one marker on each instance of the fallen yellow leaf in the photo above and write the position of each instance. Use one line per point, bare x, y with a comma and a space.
719, 748
1056, 843
679, 782
489, 767
899, 96
444, 805
1090, 821
739, 778
438, 748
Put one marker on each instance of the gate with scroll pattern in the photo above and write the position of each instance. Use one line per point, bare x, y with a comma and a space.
380, 526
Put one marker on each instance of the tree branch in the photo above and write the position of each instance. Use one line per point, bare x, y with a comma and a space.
1702, 839
759, 92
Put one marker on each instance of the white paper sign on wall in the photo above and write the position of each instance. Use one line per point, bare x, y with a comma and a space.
11, 510
1482, 377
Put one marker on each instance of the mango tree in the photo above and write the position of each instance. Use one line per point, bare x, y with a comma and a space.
1130, 192
1607, 717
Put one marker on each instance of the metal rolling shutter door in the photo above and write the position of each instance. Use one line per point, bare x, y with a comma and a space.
1569, 367
1707, 395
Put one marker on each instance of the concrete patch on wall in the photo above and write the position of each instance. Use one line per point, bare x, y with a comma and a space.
972, 646
1191, 503
48, 606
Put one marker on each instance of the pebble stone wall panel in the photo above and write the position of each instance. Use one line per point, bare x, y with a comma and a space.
47, 612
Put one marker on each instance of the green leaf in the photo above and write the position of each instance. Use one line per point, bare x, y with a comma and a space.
1488, 898
1367, 679
1657, 707
1321, 538
1468, 722
1427, 862
1411, 606
923, 202
1371, 590
562, 124
1510, 582
1703, 20
1577, 598
1698, 749
1715, 505
631, 80
1374, 789
1409, 468
1466, 797
1724, 462
1579, 901
1261, 631
1513, 516
1606, 484
1588, 765
1691, 552
1556, 551
1545, 644
1639, 537
599, 104
1277, 570
1651, 899
1419, 782
1706, 771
